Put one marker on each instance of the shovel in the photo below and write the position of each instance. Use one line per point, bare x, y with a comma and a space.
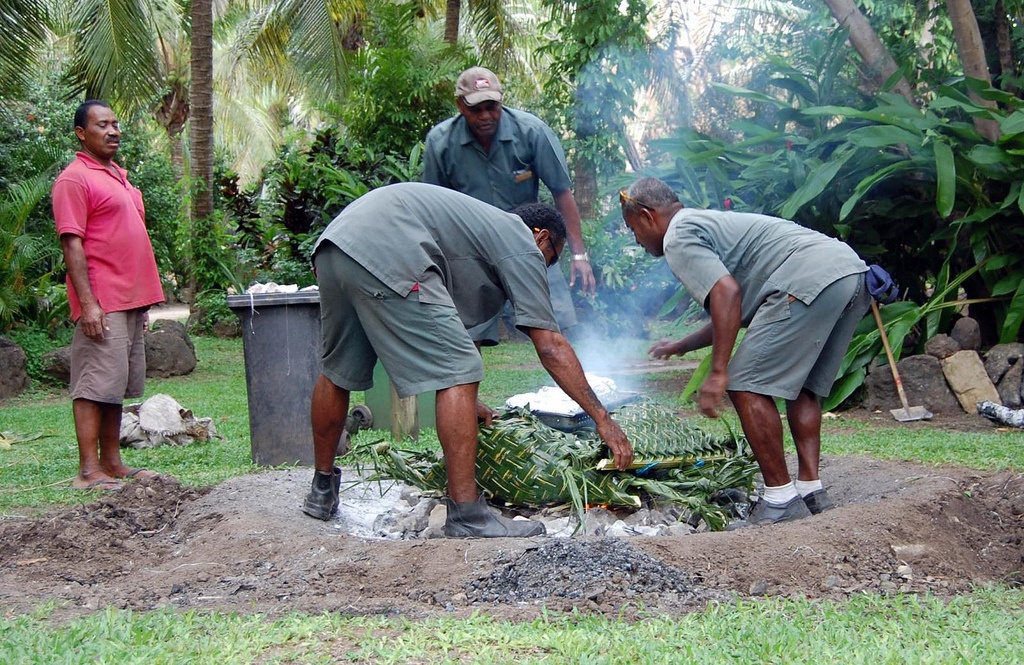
907, 413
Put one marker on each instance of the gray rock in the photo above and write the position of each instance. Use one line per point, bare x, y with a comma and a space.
1000, 358
57, 364
169, 350
13, 364
923, 383
597, 521
641, 517
1011, 386
941, 346
227, 329
967, 332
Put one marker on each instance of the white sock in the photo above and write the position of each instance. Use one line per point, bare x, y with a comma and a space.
780, 495
805, 487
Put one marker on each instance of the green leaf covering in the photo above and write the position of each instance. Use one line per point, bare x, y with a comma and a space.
524, 462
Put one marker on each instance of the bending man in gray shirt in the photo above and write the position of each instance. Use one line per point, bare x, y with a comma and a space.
799, 294
403, 272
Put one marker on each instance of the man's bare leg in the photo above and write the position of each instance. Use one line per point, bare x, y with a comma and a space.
804, 417
457, 430
468, 515
328, 411
762, 425
98, 431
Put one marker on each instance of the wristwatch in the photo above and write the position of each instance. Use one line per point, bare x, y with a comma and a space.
581, 257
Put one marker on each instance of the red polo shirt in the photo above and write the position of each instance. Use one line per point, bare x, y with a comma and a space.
106, 212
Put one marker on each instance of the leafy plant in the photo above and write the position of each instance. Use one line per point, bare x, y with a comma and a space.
22, 286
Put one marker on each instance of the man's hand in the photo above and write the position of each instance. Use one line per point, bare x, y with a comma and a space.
93, 321
484, 413
617, 442
583, 270
666, 348
712, 394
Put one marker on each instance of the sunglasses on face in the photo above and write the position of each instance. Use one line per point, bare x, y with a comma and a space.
554, 250
626, 198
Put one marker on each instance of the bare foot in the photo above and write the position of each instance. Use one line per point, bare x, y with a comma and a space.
96, 481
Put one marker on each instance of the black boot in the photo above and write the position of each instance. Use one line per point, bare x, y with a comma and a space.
475, 520
322, 500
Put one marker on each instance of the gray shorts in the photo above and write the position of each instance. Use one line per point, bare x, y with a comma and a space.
112, 370
805, 350
423, 347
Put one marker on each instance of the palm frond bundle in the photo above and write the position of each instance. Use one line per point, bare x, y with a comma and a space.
524, 462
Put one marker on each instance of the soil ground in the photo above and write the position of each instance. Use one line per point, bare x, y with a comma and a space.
244, 546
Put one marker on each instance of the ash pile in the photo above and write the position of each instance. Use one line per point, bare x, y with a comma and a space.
579, 570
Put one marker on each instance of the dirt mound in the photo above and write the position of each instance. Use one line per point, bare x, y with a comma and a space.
244, 546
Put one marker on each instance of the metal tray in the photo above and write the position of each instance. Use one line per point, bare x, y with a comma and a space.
581, 421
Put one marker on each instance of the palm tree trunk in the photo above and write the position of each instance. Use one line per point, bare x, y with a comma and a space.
878, 63
585, 187
972, 56
201, 134
452, 11
1005, 45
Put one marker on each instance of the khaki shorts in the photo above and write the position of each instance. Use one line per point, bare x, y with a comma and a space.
114, 369
804, 350
423, 347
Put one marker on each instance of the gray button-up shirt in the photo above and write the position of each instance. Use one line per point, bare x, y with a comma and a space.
457, 250
524, 153
770, 258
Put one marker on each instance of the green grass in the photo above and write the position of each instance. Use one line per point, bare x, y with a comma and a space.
37, 473
986, 626
989, 450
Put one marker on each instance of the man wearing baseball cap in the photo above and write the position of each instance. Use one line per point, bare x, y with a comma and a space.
501, 155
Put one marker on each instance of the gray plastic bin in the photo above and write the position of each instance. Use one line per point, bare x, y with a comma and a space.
281, 340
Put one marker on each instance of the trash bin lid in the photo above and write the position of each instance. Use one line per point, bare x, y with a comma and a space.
248, 300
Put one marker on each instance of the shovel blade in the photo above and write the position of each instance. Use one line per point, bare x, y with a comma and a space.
911, 413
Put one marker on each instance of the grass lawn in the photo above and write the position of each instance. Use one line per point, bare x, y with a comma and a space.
38, 458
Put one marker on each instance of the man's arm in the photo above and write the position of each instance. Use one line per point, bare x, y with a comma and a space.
666, 348
560, 361
725, 305
566, 204
93, 319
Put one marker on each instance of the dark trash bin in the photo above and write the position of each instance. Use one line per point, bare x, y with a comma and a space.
281, 340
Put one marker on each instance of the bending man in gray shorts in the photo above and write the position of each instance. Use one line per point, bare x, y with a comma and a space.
799, 294
403, 272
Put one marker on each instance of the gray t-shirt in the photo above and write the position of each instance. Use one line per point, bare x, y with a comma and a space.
770, 258
455, 249
523, 153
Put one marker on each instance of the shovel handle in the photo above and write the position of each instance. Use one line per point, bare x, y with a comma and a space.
888, 354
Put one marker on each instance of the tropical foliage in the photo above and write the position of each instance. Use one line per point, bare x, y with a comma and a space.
770, 107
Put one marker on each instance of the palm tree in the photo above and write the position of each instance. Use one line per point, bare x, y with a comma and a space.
22, 34
201, 109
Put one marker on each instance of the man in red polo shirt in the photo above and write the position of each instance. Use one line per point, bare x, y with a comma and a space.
112, 281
